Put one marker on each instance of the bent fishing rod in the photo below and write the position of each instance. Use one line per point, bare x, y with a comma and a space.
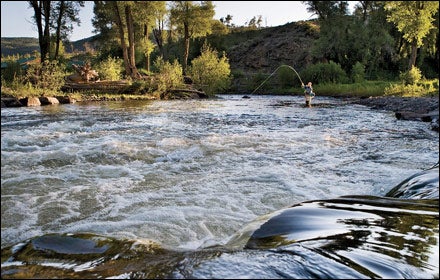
272, 75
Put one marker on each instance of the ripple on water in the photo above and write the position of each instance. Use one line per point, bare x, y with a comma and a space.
186, 172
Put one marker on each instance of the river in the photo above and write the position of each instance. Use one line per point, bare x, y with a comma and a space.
188, 174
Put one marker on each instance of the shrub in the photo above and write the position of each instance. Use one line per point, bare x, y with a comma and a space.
358, 73
325, 73
110, 69
12, 71
209, 72
258, 81
412, 76
413, 85
49, 75
422, 88
169, 76
287, 77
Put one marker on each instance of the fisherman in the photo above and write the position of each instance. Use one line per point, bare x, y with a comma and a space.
308, 93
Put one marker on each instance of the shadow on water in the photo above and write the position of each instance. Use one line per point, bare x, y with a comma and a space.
395, 236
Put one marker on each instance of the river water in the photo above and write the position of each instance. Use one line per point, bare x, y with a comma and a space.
189, 174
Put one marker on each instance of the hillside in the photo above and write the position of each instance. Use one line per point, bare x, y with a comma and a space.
18, 45
255, 54
271, 47
27, 45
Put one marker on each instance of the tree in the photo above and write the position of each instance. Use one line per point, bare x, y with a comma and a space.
118, 15
42, 11
209, 72
255, 22
65, 13
150, 15
414, 19
327, 9
192, 20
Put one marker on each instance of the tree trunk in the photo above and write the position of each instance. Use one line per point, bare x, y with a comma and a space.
186, 53
58, 32
131, 50
412, 60
147, 53
43, 34
158, 36
46, 34
122, 38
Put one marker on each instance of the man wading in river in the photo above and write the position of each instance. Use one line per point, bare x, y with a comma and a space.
308, 93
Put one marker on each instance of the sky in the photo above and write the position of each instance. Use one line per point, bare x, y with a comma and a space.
16, 16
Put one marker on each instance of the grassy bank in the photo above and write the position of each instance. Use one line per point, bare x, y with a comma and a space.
364, 89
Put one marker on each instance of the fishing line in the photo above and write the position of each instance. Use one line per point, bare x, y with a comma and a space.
272, 75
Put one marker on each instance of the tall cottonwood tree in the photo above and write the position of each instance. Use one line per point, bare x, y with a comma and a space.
192, 20
41, 16
414, 19
118, 15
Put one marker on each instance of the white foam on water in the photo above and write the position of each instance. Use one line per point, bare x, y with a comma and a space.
191, 173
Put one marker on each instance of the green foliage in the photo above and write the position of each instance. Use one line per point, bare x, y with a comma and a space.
209, 72
170, 75
287, 77
413, 18
12, 71
49, 75
358, 73
363, 89
52, 48
258, 82
404, 90
325, 73
411, 77
412, 84
110, 69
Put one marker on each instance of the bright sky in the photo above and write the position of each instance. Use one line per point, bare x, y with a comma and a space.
16, 16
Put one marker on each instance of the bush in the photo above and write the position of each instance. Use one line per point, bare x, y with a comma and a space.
358, 73
422, 88
170, 75
413, 85
209, 72
48, 76
325, 73
287, 78
412, 76
110, 69
12, 72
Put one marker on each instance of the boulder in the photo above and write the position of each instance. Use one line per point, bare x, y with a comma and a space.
48, 100
30, 101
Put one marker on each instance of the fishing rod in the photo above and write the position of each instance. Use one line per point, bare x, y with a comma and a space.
272, 75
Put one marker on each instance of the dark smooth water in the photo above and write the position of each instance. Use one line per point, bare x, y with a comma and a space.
186, 176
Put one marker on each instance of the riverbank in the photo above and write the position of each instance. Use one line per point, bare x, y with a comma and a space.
424, 109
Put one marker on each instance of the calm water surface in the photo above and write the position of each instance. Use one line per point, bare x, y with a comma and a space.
189, 174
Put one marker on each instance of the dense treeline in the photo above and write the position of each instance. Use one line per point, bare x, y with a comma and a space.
391, 40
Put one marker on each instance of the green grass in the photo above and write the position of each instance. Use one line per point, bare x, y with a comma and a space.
364, 89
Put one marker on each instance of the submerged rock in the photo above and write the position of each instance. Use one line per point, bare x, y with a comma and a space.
422, 185
396, 236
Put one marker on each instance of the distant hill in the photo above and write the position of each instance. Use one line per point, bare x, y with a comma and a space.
18, 45
27, 45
